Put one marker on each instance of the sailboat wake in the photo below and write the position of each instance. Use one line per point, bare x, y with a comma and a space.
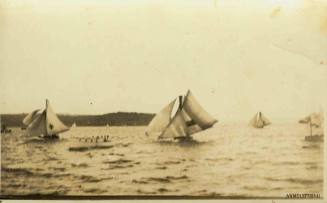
39, 140
88, 148
183, 143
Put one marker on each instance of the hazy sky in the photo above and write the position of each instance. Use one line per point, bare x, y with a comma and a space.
100, 56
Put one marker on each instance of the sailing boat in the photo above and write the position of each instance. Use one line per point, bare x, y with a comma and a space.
189, 119
44, 123
259, 121
73, 125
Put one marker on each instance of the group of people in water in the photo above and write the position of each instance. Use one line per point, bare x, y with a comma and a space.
95, 139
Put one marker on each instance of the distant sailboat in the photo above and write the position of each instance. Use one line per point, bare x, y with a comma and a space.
259, 121
74, 125
189, 118
44, 123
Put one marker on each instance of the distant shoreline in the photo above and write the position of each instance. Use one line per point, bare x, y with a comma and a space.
112, 119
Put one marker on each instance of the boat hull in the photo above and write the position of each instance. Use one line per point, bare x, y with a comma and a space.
314, 138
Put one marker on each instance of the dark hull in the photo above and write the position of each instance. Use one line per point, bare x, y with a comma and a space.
314, 138
51, 137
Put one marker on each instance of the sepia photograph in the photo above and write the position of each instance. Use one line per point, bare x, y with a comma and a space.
153, 99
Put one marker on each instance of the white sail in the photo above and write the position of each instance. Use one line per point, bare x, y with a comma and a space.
54, 125
30, 117
190, 118
253, 121
45, 123
192, 126
195, 111
161, 120
38, 126
259, 121
316, 119
176, 128
265, 120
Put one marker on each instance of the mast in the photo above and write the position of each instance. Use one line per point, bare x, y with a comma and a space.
46, 117
310, 123
180, 102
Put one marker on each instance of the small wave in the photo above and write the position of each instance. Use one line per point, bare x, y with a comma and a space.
118, 167
30, 173
120, 164
50, 158
170, 162
214, 194
14, 185
52, 175
253, 188
162, 180
61, 169
94, 190
140, 182
219, 159
17, 171
118, 161
313, 167
167, 179
189, 143
89, 154
201, 191
145, 192
286, 163
43, 194
297, 180
83, 149
89, 179
123, 144
311, 147
163, 190
36, 140
117, 154
161, 167
247, 153
82, 165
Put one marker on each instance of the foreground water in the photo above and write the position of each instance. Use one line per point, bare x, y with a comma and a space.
228, 161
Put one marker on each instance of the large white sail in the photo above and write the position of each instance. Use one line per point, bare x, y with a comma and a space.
190, 118
161, 120
30, 117
195, 111
54, 125
176, 128
38, 126
45, 123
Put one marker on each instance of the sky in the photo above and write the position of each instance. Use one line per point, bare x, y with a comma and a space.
95, 57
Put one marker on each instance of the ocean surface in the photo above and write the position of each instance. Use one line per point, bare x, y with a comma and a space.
228, 160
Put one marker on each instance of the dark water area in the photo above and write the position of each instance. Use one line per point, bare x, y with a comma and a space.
226, 161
